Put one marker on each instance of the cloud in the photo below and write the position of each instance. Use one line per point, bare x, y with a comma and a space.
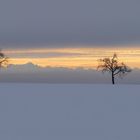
35, 74
69, 22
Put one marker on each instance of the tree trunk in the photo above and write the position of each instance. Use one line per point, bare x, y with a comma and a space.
113, 80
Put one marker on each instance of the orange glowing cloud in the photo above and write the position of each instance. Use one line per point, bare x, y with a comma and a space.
73, 57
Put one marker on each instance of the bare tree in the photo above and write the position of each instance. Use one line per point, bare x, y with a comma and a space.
112, 66
3, 60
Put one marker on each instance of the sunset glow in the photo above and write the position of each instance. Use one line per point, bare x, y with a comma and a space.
73, 57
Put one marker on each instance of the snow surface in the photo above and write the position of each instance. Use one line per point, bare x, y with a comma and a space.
69, 112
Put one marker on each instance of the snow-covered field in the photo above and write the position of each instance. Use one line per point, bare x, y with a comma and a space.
69, 112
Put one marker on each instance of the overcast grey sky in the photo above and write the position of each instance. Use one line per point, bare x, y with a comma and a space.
69, 21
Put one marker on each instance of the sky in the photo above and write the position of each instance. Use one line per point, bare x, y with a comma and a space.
72, 58
69, 34
30, 23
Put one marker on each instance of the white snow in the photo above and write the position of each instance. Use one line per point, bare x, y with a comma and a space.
69, 112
